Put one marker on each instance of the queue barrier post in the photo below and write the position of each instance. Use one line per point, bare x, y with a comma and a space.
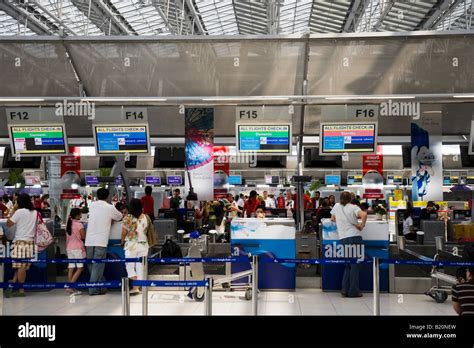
125, 297
145, 288
376, 285
254, 285
208, 297
1, 288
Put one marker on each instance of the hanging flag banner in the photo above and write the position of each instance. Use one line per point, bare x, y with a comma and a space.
426, 158
199, 133
373, 162
71, 163
71, 169
221, 171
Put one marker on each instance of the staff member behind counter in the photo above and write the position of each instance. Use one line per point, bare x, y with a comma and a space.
346, 216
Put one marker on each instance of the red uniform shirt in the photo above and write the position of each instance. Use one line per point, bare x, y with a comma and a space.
148, 205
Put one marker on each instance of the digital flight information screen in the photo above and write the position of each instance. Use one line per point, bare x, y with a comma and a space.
121, 139
38, 139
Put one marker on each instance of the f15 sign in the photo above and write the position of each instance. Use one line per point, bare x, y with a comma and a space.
264, 138
339, 138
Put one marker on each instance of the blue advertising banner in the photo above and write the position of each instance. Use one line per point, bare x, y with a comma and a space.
427, 158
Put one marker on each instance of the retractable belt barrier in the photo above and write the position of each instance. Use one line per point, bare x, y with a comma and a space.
369, 261
324, 261
110, 285
126, 260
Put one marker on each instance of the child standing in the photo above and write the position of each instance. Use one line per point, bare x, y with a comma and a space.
75, 236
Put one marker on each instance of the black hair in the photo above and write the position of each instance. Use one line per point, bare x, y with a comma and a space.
177, 190
324, 203
430, 204
148, 190
24, 202
364, 206
356, 202
73, 214
119, 206
236, 198
253, 194
136, 208
5, 198
102, 194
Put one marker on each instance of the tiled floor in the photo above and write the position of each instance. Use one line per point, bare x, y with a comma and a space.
300, 302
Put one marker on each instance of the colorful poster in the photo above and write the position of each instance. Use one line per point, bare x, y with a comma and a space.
71, 169
71, 163
221, 171
199, 131
426, 159
373, 162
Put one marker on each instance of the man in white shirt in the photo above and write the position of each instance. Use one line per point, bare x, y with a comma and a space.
269, 202
101, 217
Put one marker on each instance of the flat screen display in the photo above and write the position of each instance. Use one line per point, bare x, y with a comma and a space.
235, 180
92, 180
333, 180
272, 179
121, 139
153, 180
264, 138
174, 180
31, 180
338, 138
34, 140
394, 179
354, 180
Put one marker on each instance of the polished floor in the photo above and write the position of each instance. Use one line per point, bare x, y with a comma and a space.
301, 302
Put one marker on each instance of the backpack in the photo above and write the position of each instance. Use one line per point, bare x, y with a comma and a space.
171, 250
150, 233
43, 237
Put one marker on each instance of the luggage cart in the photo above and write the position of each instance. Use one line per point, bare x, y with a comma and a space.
440, 292
197, 273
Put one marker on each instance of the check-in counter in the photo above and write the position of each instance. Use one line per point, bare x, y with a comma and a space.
376, 242
269, 237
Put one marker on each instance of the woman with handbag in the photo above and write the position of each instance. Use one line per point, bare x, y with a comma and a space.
135, 240
25, 219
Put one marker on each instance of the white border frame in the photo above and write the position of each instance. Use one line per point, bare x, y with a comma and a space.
321, 138
12, 143
96, 145
280, 153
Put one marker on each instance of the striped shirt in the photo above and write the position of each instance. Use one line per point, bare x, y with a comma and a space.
464, 294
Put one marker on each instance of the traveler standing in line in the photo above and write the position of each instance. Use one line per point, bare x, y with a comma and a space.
148, 203
463, 294
24, 218
346, 216
269, 202
101, 216
134, 240
316, 200
75, 249
280, 201
332, 200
